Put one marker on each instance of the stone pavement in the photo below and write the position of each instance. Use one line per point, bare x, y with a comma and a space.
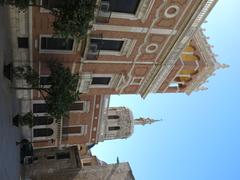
9, 152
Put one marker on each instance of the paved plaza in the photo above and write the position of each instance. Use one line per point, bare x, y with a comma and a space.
9, 152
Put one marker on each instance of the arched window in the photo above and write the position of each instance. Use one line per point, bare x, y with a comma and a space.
189, 57
113, 117
189, 48
43, 132
42, 120
182, 79
187, 72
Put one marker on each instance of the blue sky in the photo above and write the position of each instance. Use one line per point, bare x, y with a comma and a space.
199, 137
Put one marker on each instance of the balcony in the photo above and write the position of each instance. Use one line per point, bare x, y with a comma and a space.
104, 13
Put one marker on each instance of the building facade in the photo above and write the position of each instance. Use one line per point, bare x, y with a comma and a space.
148, 46
119, 171
66, 164
52, 161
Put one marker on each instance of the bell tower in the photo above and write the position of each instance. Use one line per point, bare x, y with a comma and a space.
118, 123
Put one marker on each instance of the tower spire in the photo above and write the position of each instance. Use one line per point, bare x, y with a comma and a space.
143, 121
223, 66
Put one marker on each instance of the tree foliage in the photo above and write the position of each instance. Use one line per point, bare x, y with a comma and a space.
27, 73
21, 4
62, 91
24, 119
72, 18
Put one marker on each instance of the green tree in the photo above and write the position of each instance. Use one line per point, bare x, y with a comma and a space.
24, 119
72, 18
21, 4
62, 91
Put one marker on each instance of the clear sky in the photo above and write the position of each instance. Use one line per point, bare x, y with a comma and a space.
199, 138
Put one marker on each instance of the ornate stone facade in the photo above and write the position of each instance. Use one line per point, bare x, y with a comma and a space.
127, 51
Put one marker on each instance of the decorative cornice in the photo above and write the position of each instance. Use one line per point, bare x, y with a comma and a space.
102, 118
161, 73
144, 9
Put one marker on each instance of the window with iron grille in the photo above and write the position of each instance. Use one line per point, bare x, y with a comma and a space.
77, 106
72, 130
22, 42
124, 6
42, 120
113, 128
101, 80
42, 132
44, 80
109, 45
40, 108
51, 43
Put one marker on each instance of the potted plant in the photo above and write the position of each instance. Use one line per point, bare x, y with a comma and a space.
8, 71
22, 120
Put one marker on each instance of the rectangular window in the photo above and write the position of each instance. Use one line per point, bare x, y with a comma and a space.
44, 80
49, 4
173, 84
113, 128
50, 157
76, 107
87, 164
124, 6
45, 4
79, 106
40, 108
101, 80
72, 130
35, 158
113, 117
63, 155
109, 45
52, 43
22, 42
